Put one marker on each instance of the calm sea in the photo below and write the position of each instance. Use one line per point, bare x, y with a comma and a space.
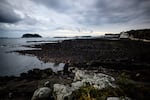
12, 63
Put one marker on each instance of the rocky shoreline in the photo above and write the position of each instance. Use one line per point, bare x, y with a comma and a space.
119, 55
23, 87
94, 50
126, 61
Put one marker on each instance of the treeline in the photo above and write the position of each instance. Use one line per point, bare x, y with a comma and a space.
141, 34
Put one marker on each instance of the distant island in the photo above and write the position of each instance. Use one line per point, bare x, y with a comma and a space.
60, 37
28, 35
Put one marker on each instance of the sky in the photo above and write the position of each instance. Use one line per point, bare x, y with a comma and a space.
72, 17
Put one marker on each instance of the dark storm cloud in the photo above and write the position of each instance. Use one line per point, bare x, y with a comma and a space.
73, 15
58, 5
103, 11
7, 14
117, 11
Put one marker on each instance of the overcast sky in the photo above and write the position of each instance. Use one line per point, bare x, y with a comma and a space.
72, 17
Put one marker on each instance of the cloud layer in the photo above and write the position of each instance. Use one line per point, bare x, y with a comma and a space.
73, 16
7, 14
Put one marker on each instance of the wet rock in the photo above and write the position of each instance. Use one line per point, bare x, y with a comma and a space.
47, 84
10, 95
37, 74
36, 71
118, 98
137, 75
43, 93
34, 74
23, 75
48, 71
43, 75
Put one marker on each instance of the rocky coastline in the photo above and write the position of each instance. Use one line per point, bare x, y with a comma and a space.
121, 66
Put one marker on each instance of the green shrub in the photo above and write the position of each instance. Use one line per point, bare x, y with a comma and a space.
90, 93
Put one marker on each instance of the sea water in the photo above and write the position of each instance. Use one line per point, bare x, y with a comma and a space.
12, 63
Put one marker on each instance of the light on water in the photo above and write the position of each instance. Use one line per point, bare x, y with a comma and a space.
13, 64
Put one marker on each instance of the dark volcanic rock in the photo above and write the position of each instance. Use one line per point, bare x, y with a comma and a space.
31, 36
23, 87
104, 52
37, 74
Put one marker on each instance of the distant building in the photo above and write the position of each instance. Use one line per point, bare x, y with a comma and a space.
124, 35
112, 35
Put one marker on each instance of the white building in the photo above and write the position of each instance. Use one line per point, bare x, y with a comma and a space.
124, 35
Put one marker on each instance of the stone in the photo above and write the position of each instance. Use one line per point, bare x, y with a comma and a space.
48, 71
137, 75
23, 75
78, 75
76, 85
42, 93
98, 80
47, 84
82, 77
10, 95
65, 91
61, 91
44, 75
118, 98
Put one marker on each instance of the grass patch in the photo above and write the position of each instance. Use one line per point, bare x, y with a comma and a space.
90, 93
125, 88
132, 88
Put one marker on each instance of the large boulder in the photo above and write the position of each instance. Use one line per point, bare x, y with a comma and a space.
98, 80
43, 93
82, 77
76, 85
62, 91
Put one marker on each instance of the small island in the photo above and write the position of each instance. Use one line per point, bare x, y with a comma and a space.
28, 35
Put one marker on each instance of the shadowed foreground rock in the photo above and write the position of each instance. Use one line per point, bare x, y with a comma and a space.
82, 78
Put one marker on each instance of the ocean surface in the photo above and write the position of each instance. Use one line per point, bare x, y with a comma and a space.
12, 63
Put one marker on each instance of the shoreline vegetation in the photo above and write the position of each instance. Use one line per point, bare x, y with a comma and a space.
95, 69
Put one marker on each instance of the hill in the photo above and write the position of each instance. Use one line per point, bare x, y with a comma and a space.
140, 34
28, 35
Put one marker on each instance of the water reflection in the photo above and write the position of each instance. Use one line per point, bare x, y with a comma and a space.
13, 64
